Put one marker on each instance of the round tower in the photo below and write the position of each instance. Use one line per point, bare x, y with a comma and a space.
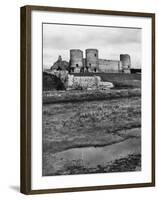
76, 60
92, 63
125, 61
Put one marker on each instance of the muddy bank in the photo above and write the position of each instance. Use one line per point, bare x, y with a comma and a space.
81, 142
119, 157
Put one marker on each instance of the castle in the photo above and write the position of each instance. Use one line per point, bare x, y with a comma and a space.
92, 62
86, 72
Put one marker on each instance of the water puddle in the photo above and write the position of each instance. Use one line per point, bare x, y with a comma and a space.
100, 155
91, 157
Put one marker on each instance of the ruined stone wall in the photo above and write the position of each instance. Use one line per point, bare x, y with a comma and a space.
109, 66
87, 83
83, 82
76, 60
92, 63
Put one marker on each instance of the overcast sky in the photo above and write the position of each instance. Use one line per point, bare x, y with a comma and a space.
111, 42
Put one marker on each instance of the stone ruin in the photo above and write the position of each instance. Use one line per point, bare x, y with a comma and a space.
72, 82
87, 83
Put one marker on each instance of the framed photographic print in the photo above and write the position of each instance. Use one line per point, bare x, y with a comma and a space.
87, 99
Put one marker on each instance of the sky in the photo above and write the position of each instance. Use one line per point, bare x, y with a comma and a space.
58, 39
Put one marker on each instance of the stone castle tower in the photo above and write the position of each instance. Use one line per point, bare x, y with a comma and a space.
92, 63
125, 61
76, 60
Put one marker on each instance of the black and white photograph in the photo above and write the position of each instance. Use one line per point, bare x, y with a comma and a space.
91, 99
88, 99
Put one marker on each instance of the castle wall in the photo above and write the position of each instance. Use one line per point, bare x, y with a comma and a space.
109, 66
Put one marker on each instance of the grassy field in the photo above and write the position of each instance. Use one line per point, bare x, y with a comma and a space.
87, 124
111, 119
69, 125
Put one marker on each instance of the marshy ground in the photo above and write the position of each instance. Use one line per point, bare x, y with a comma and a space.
88, 124
97, 136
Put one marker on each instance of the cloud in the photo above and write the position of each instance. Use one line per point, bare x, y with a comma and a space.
111, 42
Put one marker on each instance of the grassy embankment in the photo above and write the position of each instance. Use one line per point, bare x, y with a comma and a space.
126, 85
